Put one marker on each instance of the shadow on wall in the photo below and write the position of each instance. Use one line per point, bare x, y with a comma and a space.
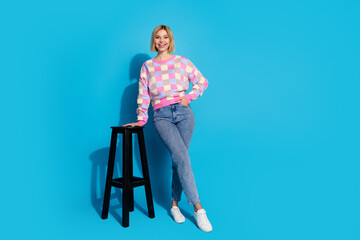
158, 157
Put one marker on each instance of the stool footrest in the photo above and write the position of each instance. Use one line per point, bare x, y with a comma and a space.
134, 182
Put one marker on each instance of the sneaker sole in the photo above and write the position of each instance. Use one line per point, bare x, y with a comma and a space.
179, 222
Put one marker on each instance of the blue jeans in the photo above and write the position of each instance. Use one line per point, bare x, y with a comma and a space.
175, 125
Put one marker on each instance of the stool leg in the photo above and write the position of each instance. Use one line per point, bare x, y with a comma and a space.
109, 175
131, 174
126, 180
145, 171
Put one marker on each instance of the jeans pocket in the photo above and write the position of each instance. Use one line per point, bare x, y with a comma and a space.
187, 107
157, 110
157, 113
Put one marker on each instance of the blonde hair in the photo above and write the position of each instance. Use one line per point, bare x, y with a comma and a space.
170, 35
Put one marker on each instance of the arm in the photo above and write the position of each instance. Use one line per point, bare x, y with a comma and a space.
200, 83
143, 99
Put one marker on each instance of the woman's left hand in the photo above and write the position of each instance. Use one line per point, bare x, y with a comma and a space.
183, 100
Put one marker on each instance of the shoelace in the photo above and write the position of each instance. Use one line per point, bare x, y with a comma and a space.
177, 210
203, 217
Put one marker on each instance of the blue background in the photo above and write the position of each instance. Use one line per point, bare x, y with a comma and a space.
275, 151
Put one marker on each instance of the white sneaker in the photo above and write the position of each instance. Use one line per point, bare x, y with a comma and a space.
202, 220
178, 217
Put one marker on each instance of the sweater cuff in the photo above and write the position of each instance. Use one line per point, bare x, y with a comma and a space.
188, 98
142, 122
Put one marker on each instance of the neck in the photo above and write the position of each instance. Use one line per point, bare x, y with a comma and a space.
163, 56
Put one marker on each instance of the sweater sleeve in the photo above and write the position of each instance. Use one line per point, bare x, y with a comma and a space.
199, 82
143, 99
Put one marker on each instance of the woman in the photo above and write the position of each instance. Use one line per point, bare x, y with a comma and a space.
165, 79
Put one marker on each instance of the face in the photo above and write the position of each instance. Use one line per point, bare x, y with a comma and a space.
162, 41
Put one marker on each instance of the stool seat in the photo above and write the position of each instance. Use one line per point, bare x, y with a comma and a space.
127, 182
130, 129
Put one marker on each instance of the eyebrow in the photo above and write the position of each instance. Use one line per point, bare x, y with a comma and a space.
159, 35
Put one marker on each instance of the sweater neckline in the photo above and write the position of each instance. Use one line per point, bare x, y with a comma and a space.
164, 60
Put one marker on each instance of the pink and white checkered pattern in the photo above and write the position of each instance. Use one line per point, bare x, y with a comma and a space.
162, 82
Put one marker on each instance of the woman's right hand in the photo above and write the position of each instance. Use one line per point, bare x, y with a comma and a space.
135, 124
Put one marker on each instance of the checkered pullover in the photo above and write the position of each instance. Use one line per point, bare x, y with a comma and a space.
164, 81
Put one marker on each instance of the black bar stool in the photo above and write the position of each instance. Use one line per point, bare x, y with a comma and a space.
127, 182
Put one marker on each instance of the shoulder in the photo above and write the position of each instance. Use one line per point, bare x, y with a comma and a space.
146, 64
185, 60
182, 57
